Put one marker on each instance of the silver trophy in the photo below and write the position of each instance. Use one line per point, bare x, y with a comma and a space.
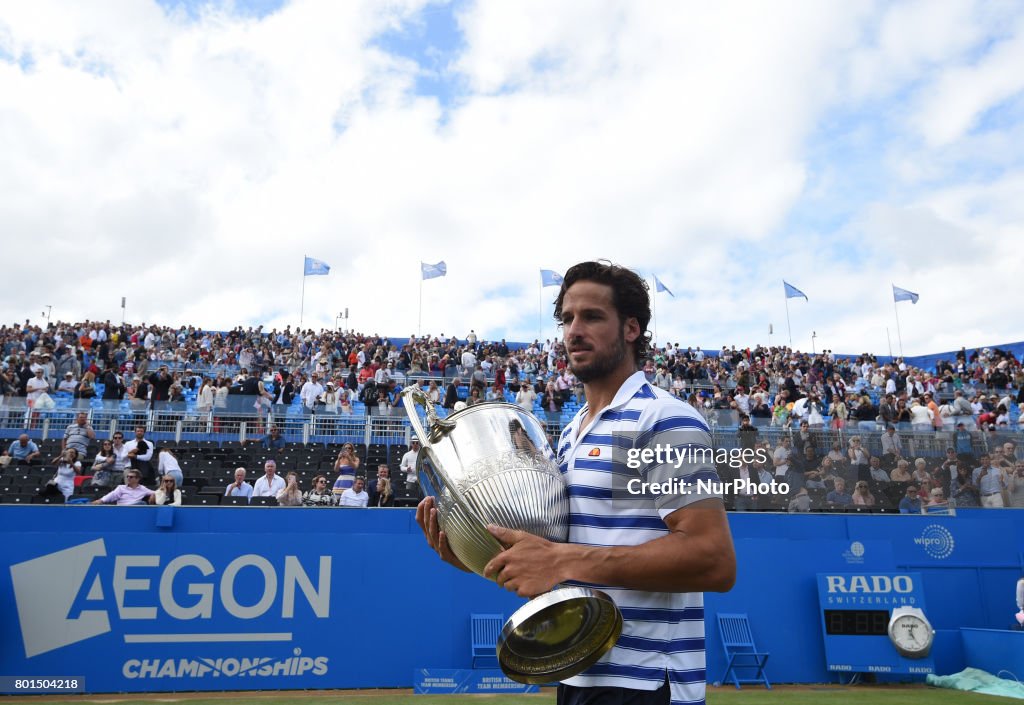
491, 464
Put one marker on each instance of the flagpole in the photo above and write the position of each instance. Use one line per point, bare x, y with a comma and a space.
540, 306
887, 337
899, 335
654, 299
302, 305
788, 327
419, 321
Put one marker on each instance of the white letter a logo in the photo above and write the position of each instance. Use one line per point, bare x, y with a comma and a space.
45, 589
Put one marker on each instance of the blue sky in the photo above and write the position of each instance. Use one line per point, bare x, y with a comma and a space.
256, 9
724, 148
431, 38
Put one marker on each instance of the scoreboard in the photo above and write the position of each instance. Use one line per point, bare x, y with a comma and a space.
856, 609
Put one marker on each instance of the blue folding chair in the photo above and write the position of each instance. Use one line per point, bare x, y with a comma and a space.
740, 650
485, 630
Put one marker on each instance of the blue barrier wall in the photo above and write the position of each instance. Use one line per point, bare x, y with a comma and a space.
193, 598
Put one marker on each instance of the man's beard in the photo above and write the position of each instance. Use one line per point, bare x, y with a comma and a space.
601, 365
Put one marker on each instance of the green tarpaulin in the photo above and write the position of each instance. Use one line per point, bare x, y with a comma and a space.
979, 681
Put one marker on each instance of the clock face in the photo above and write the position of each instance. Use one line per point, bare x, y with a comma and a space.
911, 634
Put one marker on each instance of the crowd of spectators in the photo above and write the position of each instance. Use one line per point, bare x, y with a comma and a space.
842, 476
137, 472
340, 371
329, 370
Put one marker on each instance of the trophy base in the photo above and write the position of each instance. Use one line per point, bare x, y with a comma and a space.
558, 635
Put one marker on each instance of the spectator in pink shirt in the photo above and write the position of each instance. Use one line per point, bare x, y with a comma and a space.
131, 492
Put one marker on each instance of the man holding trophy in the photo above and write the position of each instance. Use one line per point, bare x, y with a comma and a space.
651, 553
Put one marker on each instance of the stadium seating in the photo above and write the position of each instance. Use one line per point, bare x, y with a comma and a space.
204, 500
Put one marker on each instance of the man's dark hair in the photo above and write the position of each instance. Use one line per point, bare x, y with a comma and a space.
630, 296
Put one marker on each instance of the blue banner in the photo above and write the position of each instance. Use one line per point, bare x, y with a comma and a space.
445, 681
231, 598
241, 598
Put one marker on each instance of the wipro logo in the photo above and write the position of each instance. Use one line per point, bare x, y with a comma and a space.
70, 596
937, 541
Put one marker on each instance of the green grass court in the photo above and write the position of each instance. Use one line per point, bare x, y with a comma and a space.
783, 695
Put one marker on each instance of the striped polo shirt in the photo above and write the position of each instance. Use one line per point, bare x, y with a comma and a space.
663, 633
77, 437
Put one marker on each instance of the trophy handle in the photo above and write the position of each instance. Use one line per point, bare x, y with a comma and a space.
435, 431
437, 426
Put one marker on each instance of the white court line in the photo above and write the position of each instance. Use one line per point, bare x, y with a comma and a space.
204, 638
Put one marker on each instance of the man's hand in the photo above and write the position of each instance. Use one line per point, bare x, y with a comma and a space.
426, 517
529, 565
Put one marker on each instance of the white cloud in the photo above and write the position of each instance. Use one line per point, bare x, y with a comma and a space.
952, 105
190, 163
902, 43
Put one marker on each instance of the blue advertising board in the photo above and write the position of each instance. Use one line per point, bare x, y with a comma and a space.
232, 599
143, 599
447, 681
855, 613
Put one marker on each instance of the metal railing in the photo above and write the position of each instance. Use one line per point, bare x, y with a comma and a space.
238, 421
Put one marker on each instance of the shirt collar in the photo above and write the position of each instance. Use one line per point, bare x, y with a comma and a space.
629, 388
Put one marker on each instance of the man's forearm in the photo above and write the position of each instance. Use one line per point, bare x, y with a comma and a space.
678, 562
645, 567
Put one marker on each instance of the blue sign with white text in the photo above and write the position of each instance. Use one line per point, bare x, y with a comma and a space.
445, 681
201, 607
204, 614
855, 612
143, 599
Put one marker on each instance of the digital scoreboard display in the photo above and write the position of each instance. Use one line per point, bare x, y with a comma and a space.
855, 611
857, 622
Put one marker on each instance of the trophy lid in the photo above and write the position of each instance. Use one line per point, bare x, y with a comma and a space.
558, 635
